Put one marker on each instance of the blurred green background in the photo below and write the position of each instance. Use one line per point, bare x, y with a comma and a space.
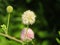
47, 22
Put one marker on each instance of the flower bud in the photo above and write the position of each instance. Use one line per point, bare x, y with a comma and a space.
27, 34
9, 9
4, 27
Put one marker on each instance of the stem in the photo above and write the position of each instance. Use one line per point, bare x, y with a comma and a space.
10, 37
26, 34
32, 42
27, 43
8, 22
27, 26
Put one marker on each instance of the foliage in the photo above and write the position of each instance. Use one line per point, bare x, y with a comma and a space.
47, 22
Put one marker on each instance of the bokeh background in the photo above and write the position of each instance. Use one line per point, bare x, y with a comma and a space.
47, 22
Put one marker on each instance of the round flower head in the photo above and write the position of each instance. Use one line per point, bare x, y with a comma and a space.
28, 17
27, 34
9, 9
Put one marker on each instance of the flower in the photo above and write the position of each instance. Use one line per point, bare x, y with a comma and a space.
27, 34
28, 17
9, 9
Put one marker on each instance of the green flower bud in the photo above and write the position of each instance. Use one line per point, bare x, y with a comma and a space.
4, 27
9, 9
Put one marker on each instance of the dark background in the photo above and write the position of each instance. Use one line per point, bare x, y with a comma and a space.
47, 22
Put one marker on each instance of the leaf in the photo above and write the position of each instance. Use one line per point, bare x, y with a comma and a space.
3, 41
43, 34
17, 34
28, 1
45, 42
13, 43
59, 32
58, 40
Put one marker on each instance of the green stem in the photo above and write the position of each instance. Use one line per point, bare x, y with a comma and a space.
8, 22
32, 42
27, 43
26, 33
10, 37
27, 26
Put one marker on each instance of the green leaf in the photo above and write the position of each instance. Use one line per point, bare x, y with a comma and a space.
43, 34
58, 40
28, 1
59, 32
45, 42
3, 41
17, 34
14, 43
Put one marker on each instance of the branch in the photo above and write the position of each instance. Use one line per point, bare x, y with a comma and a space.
13, 38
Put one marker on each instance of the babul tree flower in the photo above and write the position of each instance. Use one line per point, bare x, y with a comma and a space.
28, 17
27, 34
9, 9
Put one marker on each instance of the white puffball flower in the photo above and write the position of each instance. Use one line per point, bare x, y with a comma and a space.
28, 17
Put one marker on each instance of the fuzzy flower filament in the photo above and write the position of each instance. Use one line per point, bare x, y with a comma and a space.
29, 35
28, 17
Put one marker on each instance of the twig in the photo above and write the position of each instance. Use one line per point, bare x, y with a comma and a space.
10, 37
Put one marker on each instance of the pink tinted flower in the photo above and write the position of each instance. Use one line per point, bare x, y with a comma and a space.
27, 34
